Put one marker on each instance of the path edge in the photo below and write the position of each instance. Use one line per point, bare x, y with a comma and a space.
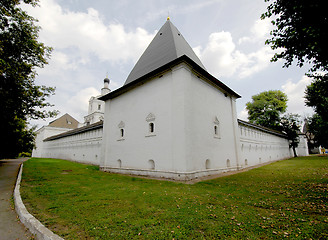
34, 225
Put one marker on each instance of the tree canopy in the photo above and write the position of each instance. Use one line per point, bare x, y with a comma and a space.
266, 108
21, 99
300, 32
316, 96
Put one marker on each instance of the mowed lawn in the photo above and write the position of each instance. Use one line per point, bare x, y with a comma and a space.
286, 199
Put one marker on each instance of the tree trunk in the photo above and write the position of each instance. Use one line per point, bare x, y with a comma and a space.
294, 151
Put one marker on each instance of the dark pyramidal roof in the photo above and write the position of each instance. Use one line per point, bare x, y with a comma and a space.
167, 45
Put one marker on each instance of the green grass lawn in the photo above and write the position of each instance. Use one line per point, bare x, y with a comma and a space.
286, 199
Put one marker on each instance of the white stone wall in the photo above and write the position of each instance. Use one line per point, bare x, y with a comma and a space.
43, 133
129, 112
84, 147
207, 107
260, 146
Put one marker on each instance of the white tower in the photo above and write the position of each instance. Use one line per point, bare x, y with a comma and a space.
96, 106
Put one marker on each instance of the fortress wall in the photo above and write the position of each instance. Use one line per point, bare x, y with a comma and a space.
262, 145
257, 146
83, 147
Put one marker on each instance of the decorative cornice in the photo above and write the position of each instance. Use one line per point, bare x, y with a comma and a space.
216, 120
121, 124
150, 118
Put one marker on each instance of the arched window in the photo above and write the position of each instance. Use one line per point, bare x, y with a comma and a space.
121, 127
119, 163
151, 164
207, 164
246, 162
151, 124
216, 127
228, 163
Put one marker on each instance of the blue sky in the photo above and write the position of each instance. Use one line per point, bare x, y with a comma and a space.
93, 38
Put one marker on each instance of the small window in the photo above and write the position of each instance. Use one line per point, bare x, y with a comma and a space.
121, 127
99, 107
122, 132
216, 128
151, 127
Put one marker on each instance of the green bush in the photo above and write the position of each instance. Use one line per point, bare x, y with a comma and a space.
24, 154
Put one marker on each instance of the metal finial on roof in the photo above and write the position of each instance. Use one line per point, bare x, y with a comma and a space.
168, 18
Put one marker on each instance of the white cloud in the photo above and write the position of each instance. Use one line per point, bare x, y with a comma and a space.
256, 62
80, 101
259, 32
295, 93
219, 55
243, 115
222, 58
88, 34
177, 9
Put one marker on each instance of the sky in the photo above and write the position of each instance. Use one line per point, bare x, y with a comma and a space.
99, 38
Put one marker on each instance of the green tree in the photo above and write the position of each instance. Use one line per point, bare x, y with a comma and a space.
318, 128
316, 96
21, 99
266, 108
291, 125
300, 32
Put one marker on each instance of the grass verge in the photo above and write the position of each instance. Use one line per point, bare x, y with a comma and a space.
284, 199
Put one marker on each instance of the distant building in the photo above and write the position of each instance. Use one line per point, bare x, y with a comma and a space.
170, 119
60, 125
65, 121
96, 106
